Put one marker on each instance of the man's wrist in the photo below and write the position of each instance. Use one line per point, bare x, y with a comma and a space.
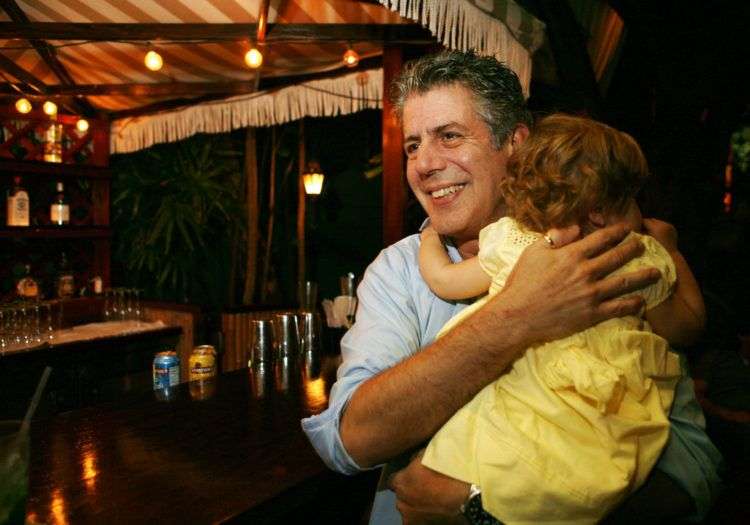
474, 491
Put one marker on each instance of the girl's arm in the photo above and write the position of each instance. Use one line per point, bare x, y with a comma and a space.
445, 278
681, 318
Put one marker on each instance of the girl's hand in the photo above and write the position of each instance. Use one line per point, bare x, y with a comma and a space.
663, 232
429, 231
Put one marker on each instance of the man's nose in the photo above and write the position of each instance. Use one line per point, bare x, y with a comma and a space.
429, 160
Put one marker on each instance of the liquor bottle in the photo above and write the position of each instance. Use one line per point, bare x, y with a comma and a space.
59, 210
18, 205
66, 286
27, 287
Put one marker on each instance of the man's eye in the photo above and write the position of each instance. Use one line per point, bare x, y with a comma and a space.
410, 148
449, 135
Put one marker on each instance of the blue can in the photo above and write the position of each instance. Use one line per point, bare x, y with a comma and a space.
166, 370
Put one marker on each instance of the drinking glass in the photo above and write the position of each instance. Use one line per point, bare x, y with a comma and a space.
47, 314
14, 472
261, 343
36, 324
137, 307
108, 304
4, 333
128, 302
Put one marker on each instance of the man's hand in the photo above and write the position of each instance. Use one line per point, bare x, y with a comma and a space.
564, 289
428, 497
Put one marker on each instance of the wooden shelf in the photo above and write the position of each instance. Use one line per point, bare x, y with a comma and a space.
10, 167
56, 232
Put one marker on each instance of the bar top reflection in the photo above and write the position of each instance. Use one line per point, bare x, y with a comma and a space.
214, 451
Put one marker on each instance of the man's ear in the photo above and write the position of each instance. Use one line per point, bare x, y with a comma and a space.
519, 136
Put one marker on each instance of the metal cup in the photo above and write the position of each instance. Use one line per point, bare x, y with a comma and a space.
311, 329
286, 330
261, 344
308, 295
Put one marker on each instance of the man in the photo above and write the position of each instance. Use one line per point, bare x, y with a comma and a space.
462, 116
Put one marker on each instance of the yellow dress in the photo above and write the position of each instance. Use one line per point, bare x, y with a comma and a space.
577, 423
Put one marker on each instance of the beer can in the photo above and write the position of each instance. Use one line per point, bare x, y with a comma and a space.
203, 363
166, 370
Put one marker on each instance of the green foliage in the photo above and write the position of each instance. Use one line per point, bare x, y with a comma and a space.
741, 148
178, 209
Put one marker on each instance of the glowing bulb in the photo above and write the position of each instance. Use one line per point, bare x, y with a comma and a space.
350, 58
23, 105
153, 61
253, 58
82, 125
50, 108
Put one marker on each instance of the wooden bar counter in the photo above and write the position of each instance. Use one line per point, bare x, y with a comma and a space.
231, 452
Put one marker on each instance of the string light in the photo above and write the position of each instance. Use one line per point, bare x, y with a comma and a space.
82, 125
153, 61
23, 105
253, 58
50, 108
350, 58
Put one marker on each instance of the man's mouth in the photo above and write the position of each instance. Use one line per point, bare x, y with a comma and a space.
450, 190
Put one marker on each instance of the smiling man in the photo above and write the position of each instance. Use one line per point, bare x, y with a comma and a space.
462, 116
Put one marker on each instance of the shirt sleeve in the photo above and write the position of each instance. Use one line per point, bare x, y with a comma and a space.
386, 331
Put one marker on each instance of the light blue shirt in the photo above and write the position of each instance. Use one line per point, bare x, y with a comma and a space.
398, 315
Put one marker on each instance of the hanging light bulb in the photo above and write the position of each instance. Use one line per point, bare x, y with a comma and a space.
153, 60
253, 58
350, 58
23, 105
50, 108
82, 125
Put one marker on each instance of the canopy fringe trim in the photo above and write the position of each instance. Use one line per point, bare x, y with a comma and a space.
464, 26
317, 98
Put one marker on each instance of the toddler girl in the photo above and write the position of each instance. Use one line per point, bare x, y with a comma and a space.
577, 423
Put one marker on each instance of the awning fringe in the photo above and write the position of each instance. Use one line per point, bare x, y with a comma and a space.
317, 98
464, 26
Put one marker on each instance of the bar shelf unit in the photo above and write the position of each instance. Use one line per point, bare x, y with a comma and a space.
85, 155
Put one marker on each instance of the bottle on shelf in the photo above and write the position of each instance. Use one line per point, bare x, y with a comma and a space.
27, 287
18, 205
59, 210
66, 286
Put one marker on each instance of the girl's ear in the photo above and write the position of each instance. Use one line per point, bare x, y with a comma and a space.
596, 218
519, 135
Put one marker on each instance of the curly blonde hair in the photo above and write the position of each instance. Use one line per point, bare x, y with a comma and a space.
569, 167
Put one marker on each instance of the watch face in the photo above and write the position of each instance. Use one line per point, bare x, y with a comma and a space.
475, 514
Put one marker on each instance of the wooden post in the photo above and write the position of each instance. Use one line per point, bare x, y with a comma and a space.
251, 196
301, 205
394, 189
271, 216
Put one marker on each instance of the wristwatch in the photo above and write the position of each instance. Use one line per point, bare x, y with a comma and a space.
473, 511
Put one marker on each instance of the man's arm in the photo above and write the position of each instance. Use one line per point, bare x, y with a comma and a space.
549, 294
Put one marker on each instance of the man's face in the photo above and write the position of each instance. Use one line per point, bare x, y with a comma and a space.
452, 165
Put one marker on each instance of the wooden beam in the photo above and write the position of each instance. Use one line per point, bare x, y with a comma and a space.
22, 75
47, 52
394, 189
234, 87
112, 32
262, 21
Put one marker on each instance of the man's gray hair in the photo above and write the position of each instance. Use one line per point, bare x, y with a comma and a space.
497, 91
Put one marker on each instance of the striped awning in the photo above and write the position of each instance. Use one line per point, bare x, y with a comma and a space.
498, 27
